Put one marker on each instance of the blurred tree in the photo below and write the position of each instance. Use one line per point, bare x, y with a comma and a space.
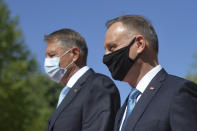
193, 76
27, 97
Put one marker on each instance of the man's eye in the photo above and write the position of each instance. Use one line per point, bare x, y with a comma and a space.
51, 55
112, 48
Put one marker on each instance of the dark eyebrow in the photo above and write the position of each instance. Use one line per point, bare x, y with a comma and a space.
51, 52
110, 44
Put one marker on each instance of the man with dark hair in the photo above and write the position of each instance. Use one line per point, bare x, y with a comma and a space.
89, 101
158, 101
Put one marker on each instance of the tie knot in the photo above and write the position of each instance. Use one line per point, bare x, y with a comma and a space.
134, 93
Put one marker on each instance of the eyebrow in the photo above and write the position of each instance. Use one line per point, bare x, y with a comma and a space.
110, 44
51, 52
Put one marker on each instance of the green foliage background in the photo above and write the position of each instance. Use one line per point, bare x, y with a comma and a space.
27, 97
193, 74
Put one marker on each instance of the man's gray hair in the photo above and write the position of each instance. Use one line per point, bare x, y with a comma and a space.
69, 38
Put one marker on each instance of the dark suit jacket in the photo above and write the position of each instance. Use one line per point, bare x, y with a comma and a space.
171, 106
90, 105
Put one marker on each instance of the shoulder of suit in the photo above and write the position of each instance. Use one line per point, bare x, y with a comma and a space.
178, 80
102, 75
178, 83
101, 82
103, 78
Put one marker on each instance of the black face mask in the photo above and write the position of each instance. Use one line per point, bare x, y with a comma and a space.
119, 62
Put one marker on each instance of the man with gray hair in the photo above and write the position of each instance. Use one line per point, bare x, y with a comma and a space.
157, 101
89, 101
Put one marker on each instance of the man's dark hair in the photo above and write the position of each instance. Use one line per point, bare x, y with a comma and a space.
69, 38
138, 24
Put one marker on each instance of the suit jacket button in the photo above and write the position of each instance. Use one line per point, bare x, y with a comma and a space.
75, 90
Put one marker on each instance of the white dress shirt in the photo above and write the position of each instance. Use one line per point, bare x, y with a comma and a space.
76, 76
141, 86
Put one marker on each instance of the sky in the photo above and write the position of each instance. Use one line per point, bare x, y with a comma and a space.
175, 22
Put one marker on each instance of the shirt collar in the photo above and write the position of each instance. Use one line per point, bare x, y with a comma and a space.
76, 76
143, 83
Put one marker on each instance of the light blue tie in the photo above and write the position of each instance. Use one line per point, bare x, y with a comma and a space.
63, 94
130, 104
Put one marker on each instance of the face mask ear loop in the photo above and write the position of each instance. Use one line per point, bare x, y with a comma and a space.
67, 65
65, 53
130, 44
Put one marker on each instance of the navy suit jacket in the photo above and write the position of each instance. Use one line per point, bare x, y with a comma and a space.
90, 105
171, 106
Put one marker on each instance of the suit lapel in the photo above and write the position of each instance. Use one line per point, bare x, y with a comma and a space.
145, 99
69, 97
120, 115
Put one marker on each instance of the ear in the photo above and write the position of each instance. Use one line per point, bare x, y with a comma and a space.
141, 43
76, 53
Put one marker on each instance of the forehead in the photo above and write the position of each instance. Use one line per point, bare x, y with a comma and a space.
116, 32
53, 47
